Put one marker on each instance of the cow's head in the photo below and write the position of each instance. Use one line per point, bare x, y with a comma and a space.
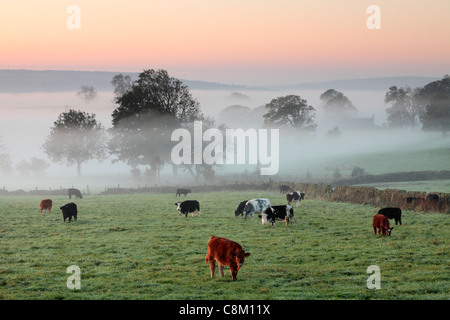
178, 205
389, 230
289, 211
249, 208
263, 218
240, 257
266, 214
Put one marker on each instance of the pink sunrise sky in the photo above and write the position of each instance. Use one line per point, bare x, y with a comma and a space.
230, 41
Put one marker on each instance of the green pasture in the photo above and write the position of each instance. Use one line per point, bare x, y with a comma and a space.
434, 159
138, 247
424, 186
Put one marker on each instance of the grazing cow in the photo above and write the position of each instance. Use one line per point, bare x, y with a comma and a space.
74, 192
227, 253
432, 197
240, 208
46, 205
381, 222
392, 213
255, 205
284, 188
183, 191
284, 212
296, 196
69, 210
188, 206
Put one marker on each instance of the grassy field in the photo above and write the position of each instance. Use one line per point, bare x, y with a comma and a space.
424, 186
376, 162
138, 247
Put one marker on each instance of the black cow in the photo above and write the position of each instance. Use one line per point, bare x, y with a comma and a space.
392, 213
432, 197
183, 191
188, 206
284, 188
296, 196
284, 212
69, 210
74, 192
240, 208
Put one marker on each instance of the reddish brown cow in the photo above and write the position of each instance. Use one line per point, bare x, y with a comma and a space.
382, 223
46, 205
227, 253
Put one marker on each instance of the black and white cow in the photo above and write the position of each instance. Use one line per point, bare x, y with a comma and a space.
284, 212
392, 213
255, 205
188, 206
240, 208
296, 196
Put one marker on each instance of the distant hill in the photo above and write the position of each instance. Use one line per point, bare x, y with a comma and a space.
377, 84
22, 81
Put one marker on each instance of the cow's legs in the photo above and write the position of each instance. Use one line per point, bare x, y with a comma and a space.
212, 267
221, 269
233, 272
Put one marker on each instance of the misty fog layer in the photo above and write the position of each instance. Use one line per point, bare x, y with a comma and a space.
26, 120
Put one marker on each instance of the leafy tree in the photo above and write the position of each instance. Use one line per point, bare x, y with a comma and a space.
436, 95
437, 114
436, 87
146, 115
121, 84
290, 112
76, 137
87, 93
204, 170
406, 107
5, 161
337, 103
35, 165
358, 172
333, 133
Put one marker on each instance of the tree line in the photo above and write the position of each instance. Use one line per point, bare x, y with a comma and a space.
151, 107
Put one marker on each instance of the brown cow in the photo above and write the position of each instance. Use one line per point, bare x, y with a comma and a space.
382, 223
227, 253
46, 205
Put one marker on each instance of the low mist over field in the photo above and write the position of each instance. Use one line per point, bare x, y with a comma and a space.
26, 119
